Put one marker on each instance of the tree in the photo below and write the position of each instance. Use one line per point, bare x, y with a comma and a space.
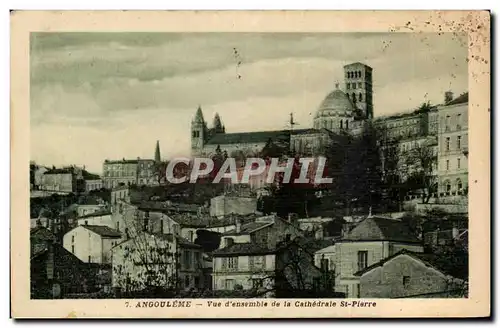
355, 164
421, 162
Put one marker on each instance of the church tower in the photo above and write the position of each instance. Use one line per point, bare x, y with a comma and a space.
359, 87
157, 152
198, 132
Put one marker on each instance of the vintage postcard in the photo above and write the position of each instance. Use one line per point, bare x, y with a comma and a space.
229, 164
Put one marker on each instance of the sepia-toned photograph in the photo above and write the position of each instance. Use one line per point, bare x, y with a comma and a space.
236, 170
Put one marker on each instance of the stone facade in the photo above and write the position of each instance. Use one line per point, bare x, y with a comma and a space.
406, 275
136, 172
223, 205
453, 147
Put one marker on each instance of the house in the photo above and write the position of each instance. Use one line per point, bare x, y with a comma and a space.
265, 230
85, 209
98, 218
315, 225
156, 260
54, 270
326, 257
286, 270
91, 243
408, 274
246, 265
63, 180
223, 205
120, 193
372, 240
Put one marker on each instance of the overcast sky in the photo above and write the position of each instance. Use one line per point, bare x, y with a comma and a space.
112, 95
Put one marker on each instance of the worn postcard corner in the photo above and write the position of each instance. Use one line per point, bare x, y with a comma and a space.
226, 164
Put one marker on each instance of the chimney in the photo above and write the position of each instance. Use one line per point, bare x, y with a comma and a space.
448, 96
238, 225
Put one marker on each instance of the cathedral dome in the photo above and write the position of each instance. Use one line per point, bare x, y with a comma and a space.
336, 103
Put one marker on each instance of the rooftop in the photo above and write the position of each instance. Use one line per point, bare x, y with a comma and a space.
381, 229
249, 137
243, 249
462, 99
103, 231
95, 214
248, 228
431, 260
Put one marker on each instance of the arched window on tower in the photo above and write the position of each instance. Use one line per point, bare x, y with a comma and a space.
353, 97
359, 73
360, 97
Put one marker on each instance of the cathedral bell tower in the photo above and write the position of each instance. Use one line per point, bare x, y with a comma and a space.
198, 132
359, 87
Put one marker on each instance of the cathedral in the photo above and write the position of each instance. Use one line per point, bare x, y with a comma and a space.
343, 110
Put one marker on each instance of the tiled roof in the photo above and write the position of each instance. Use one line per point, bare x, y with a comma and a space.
248, 137
103, 231
68, 170
42, 233
432, 260
243, 249
95, 214
379, 228
247, 228
183, 242
462, 99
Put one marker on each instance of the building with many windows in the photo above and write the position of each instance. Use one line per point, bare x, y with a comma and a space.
453, 146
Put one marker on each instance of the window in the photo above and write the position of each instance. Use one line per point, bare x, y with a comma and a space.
73, 249
360, 85
354, 87
447, 144
448, 186
187, 281
341, 127
232, 263
187, 259
73, 238
459, 184
458, 163
346, 124
459, 142
358, 290
118, 225
406, 281
196, 281
447, 165
348, 86
324, 265
191, 236
362, 260
360, 97
161, 226
257, 262
229, 284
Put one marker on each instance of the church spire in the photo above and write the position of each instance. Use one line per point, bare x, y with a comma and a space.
157, 152
199, 116
217, 124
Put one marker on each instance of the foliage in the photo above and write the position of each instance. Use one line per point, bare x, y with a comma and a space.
209, 240
423, 160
